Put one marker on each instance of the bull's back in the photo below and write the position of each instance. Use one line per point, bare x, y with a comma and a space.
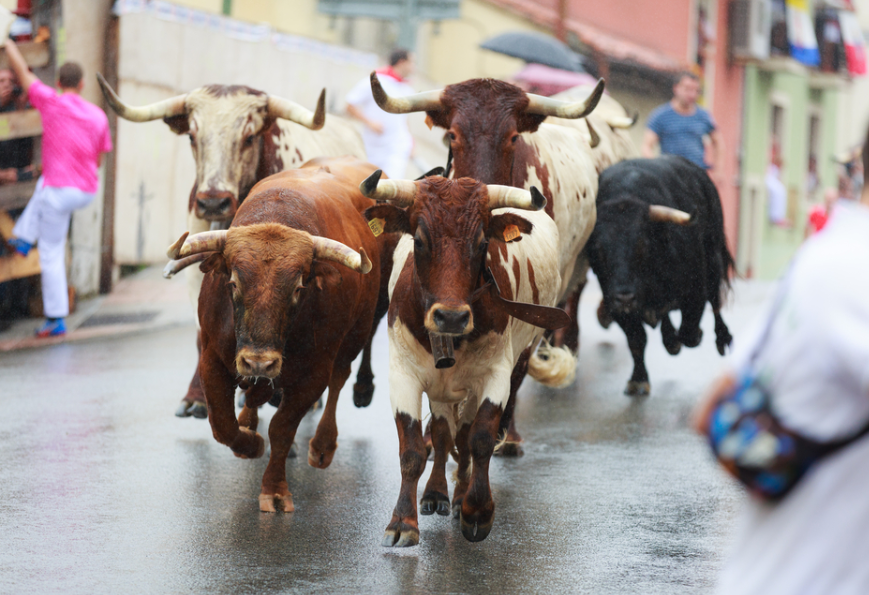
297, 144
562, 166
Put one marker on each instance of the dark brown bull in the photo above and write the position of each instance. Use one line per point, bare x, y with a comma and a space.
440, 300
498, 136
283, 302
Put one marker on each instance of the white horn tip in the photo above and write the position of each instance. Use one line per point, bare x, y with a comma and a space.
174, 251
365, 265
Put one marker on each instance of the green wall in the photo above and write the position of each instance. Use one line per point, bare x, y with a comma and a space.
765, 248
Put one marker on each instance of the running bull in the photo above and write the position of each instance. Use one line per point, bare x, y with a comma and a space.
455, 332
286, 303
239, 136
659, 246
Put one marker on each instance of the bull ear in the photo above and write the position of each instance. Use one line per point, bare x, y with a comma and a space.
324, 274
178, 124
505, 227
215, 263
395, 219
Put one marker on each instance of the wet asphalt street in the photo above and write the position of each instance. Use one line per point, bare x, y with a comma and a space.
103, 490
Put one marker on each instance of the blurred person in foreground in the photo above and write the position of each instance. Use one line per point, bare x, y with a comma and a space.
388, 143
75, 135
814, 361
15, 154
680, 126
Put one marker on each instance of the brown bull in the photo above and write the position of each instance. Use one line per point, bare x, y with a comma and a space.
498, 136
238, 136
283, 303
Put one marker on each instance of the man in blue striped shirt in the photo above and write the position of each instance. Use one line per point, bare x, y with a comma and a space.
680, 126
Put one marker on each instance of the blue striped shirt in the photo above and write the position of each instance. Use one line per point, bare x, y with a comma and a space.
682, 135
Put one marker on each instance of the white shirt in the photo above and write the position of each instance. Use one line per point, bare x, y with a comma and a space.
390, 150
777, 194
816, 540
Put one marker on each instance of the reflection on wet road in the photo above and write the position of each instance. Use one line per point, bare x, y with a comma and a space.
104, 490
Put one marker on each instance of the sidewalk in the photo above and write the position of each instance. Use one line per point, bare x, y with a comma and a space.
142, 302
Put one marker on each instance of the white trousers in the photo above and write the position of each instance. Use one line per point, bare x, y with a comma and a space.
46, 220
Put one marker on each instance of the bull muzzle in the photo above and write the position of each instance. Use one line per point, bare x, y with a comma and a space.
259, 363
449, 321
215, 205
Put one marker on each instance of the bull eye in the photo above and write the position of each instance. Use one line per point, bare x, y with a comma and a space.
452, 136
248, 140
514, 138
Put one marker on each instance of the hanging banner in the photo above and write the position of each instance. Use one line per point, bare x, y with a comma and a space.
855, 46
801, 33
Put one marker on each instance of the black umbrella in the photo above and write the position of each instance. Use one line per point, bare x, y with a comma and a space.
535, 47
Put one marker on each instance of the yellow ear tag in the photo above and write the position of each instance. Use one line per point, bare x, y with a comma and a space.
428, 121
511, 232
376, 226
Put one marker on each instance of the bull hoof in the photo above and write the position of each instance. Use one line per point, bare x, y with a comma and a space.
362, 394
691, 341
476, 530
183, 409
673, 348
603, 315
435, 502
638, 389
402, 536
509, 449
284, 503
198, 410
320, 457
723, 341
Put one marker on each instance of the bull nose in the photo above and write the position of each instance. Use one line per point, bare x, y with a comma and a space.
625, 301
267, 367
214, 206
453, 322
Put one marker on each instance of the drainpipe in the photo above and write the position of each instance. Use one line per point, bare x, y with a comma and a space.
560, 26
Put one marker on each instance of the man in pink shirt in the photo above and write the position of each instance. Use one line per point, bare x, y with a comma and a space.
75, 134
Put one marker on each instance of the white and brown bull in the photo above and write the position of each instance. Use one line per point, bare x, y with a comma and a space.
239, 136
498, 135
470, 290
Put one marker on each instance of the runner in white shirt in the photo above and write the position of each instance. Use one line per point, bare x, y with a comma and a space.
816, 540
387, 138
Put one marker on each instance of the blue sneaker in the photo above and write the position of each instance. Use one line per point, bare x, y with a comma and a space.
53, 327
21, 246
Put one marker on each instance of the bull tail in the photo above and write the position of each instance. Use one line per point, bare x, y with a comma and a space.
552, 366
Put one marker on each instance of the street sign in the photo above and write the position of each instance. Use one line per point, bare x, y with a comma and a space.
424, 10
408, 13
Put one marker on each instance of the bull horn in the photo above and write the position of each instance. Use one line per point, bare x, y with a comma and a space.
516, 198
400, 192
546, 106
429, 101
174, 106
175, 266
206, 241
326, 249
623, 123
290, 110
175, 249
668, 215
595, 139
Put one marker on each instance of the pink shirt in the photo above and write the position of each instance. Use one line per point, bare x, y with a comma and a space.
74, 134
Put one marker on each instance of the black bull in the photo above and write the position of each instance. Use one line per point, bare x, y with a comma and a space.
652, 260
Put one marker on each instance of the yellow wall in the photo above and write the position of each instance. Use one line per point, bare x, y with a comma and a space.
447, 52
454, 55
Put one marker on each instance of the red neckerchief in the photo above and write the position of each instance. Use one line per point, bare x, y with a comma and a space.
388, 71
